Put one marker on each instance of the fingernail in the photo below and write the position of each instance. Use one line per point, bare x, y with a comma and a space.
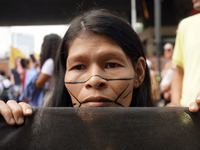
28, 111
20, 120
198, 98
12, 121
193, 107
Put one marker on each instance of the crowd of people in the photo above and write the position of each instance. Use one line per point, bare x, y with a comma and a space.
180, 76
31, 79
5, 87
100, 62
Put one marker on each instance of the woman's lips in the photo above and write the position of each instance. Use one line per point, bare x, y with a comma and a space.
97, 102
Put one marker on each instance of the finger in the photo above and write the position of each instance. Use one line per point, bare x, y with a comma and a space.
27, 110
166, 95
197, 100
16, 111
6, 113
194, 107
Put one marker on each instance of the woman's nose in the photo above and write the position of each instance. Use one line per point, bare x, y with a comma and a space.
96, 82
95, 77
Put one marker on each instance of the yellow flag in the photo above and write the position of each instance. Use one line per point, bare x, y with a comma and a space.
14, 53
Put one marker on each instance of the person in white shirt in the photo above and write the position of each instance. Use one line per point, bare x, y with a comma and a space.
47, 57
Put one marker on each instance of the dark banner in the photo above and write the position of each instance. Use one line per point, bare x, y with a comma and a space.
104, 129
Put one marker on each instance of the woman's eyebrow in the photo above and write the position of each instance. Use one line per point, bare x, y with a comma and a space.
104, 55
117, 56
76, 58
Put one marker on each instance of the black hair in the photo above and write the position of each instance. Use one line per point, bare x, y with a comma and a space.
49, 47
101, 22
24, 62
2, 72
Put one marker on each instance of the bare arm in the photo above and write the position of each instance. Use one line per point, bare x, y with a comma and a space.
41, 80
176, 87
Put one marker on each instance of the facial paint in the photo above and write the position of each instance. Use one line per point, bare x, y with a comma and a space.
115, 101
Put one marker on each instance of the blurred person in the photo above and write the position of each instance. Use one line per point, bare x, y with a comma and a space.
17, 72
38, 86
25, 64
5, 85
15, 78
155, 89
186, 79
168, 52
167, 73
99, 64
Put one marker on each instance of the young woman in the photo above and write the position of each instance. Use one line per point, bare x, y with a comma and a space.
41, 82
100, 63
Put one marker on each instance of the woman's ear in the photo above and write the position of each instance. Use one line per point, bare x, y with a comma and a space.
140, 69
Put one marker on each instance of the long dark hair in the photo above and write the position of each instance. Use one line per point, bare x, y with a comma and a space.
113, 27
49, 47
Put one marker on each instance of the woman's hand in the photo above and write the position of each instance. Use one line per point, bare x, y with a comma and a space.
14, 112
194, 106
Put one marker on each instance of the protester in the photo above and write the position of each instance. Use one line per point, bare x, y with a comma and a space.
154, 84
5, 85
100, 63
47, 59
38, 88
26, 65
15, 78
167, 73
186, 80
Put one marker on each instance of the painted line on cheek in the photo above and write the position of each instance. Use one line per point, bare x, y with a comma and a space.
81, 82
76, 99
120, 79
119, 104
121, 93
127, 95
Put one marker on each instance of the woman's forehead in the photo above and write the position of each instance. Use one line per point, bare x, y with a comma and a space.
93, 41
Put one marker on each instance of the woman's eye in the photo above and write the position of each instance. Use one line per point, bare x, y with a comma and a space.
79, 67
111, 65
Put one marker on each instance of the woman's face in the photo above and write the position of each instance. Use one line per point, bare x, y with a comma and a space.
99, 74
